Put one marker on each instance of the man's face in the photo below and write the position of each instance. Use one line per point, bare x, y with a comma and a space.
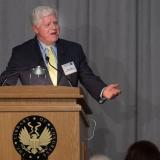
47, 30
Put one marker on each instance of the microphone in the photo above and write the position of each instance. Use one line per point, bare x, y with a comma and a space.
68, 80
47, 60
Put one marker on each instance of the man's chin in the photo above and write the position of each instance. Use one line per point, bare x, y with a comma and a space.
52, 41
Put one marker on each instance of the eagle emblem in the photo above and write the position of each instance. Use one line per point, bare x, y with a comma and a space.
34, 137
34, 141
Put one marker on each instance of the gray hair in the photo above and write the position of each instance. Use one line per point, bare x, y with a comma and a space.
99, 157
41, 11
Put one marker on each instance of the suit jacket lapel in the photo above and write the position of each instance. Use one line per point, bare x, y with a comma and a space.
60, 53
40, 60
62, 59
39, 54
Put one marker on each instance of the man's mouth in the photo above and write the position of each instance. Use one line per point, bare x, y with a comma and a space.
53, 33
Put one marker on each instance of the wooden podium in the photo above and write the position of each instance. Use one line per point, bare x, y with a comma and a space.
60, 105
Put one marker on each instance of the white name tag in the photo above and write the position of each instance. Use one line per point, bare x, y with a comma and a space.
69, 68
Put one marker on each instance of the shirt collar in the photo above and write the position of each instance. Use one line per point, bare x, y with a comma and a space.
43, 48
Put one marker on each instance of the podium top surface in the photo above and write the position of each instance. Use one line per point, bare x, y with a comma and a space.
40, 91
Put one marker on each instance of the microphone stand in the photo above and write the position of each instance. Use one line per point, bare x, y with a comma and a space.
47, 60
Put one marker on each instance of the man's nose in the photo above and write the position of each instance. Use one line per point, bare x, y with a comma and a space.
53, 25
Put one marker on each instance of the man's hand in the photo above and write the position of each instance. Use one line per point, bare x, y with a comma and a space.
111, 91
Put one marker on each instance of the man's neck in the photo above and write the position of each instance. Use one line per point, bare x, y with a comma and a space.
45, 44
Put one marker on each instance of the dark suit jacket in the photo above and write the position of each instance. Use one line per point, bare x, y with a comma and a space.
28, 55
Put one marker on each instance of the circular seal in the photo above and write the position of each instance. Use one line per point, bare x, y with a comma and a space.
34, 138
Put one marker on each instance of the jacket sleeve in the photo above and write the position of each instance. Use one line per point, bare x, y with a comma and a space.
11, 74
93, 84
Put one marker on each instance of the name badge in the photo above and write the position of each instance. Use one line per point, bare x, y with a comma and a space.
69, 68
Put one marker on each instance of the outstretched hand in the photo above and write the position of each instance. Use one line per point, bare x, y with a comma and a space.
111, 91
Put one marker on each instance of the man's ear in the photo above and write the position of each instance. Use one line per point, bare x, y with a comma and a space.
35, 29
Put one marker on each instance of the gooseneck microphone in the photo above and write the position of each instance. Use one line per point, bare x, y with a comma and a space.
47, 60
68, 80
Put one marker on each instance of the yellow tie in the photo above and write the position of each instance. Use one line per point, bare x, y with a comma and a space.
53, 62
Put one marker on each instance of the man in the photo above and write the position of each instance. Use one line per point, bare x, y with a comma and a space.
69, 66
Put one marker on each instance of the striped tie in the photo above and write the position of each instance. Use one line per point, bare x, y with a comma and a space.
53, 62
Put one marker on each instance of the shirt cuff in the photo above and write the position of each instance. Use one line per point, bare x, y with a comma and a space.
101, 98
